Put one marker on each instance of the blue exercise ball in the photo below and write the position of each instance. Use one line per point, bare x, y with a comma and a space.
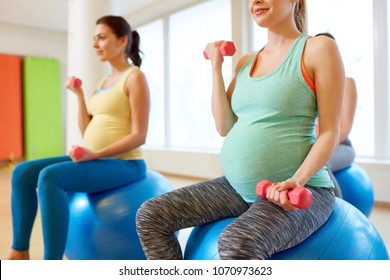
102, 225
356, 188
347, 235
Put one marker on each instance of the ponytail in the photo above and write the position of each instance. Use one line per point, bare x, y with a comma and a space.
300, 16
134, 51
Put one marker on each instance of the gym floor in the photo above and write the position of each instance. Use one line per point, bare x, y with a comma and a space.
380, 217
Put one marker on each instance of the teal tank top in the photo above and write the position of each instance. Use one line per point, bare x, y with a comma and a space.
274, 132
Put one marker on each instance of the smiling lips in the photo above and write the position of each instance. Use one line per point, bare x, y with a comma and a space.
258, 11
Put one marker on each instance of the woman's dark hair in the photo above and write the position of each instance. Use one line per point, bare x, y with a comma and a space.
120, 27
326, 34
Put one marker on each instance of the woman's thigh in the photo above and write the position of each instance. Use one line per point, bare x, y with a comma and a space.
193, 205
26, 173
266, 228
92, 176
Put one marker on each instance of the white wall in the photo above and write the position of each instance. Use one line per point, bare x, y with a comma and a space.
24, 40
379, 173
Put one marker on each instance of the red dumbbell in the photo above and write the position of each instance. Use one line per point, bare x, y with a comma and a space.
300, 197
227, 48
76, 83
77, 152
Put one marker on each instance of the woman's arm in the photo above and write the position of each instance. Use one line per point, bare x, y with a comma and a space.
328, 74
327, 71
221, 99
136, 87
83, 116
349, 108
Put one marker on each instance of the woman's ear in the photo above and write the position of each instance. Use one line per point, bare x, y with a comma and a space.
124, 41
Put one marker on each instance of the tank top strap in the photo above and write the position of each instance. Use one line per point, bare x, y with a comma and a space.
291, 64
293, 61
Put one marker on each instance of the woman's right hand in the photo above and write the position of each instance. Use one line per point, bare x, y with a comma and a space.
70, 84
213, 51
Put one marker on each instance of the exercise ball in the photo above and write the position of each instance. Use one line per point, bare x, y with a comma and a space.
356, 188
102, 225
346, 235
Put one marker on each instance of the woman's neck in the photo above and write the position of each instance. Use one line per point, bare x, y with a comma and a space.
118, 67
277, 40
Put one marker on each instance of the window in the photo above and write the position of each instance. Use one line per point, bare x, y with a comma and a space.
181, 91
152, 45
190, 85
387, 78
355, 40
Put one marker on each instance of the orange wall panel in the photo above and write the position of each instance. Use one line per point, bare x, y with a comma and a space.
11, 109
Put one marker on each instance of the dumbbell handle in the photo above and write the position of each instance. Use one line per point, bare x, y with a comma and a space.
76, 82
227, 48
77, 152
300, 197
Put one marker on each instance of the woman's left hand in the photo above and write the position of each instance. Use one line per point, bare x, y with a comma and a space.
277, 193
86, 155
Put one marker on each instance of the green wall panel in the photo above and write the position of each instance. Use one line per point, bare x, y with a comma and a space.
43, 125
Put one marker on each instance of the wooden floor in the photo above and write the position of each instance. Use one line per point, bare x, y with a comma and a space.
380, 216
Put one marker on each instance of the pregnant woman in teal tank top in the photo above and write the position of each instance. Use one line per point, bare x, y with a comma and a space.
268, 115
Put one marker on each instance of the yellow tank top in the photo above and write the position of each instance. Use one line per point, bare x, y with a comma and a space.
111, 119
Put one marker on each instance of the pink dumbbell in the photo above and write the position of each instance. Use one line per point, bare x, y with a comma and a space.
78, 152
300, 197
76, 82
227, 48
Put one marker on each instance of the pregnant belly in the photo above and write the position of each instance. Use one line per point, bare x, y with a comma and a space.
103, 131
250, 156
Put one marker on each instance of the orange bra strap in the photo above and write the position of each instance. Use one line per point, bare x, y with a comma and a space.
307, 78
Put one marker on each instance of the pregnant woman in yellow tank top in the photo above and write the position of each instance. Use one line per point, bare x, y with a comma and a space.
113, 129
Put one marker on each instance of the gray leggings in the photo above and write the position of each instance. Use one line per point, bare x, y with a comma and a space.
261, 229
342, 157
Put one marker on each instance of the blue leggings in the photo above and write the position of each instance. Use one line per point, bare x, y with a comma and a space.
54, 178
